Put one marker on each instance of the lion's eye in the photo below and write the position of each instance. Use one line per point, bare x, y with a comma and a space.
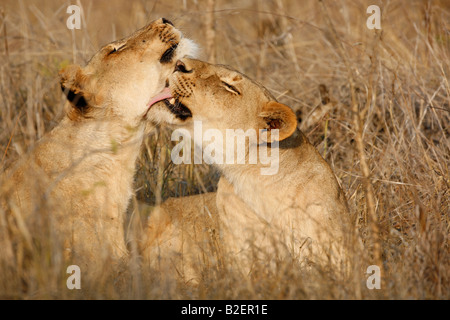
231, 88
169, 54
114, 50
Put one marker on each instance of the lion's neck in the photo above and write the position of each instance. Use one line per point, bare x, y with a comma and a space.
261, 179
105, 150
271, 160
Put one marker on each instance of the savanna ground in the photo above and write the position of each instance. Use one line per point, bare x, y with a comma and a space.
376, 104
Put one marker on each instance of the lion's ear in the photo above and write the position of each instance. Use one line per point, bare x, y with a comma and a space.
275, 115
73, 84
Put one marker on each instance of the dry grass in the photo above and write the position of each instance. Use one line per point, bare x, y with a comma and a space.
397, 81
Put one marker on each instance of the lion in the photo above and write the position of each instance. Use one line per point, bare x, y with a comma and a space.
298, 211
80, 174
182, 237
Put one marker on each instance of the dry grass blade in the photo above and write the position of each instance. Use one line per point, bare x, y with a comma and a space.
358, 129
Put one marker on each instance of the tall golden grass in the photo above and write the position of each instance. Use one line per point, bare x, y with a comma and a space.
376, 104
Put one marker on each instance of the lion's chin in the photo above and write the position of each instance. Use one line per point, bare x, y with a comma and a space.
178, 109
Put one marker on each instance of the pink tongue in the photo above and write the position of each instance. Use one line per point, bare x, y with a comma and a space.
165, 94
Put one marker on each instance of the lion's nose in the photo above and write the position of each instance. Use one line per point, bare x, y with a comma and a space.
166, 21
181, 67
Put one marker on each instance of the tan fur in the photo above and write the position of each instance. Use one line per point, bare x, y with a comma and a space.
301, 210
81, 173
183, 237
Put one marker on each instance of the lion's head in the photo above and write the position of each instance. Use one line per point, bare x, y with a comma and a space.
126, 76
222, 98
